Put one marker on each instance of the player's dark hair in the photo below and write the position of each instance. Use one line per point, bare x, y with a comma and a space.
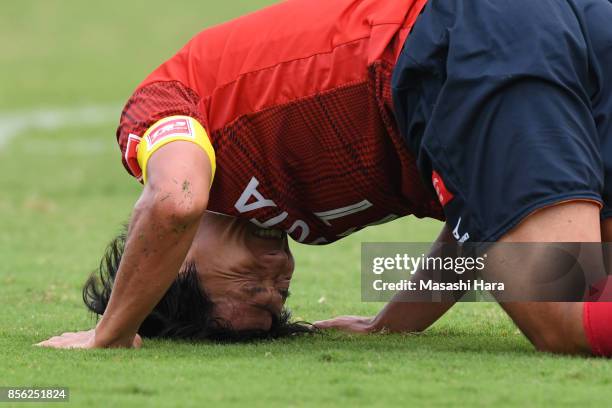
184, 312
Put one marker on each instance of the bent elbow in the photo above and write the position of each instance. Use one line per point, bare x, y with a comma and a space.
184, 213
172, 207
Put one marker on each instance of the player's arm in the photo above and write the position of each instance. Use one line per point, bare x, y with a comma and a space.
177, 181
407, 312
162, 228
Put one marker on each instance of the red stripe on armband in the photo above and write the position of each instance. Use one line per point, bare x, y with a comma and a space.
131, 156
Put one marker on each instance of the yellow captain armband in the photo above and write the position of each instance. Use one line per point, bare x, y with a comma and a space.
172, 129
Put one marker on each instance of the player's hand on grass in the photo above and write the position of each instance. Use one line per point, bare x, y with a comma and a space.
350, 324
86, 340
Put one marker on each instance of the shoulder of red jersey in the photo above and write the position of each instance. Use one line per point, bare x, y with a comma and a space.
289, 50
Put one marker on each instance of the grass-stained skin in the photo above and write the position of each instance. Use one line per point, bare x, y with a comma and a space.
64, 196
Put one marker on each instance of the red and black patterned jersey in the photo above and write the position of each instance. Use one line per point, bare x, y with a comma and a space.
296, 101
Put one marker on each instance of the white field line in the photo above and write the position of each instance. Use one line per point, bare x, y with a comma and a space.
13, 124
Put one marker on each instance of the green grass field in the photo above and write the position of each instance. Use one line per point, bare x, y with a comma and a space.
64, 194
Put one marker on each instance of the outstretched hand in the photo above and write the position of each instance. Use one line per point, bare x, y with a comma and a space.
349, 324
85, 340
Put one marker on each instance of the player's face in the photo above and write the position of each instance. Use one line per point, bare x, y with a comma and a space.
244, 269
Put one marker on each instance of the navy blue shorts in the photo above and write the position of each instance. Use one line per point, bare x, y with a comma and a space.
507, 105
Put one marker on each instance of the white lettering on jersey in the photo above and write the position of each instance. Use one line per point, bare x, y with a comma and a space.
327, 216
320, 241
303, 226
458, 236
243, 205
251, 199
271, 222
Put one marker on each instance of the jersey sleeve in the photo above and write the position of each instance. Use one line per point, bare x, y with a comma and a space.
155, 115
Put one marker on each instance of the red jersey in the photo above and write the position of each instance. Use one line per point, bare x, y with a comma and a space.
296, 101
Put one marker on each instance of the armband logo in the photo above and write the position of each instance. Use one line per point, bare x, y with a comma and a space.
178, 127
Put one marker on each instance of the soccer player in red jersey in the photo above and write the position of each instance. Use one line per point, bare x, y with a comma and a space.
283, 123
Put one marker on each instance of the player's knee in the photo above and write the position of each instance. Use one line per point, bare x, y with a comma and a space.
586, 329
556, 341
555, 327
